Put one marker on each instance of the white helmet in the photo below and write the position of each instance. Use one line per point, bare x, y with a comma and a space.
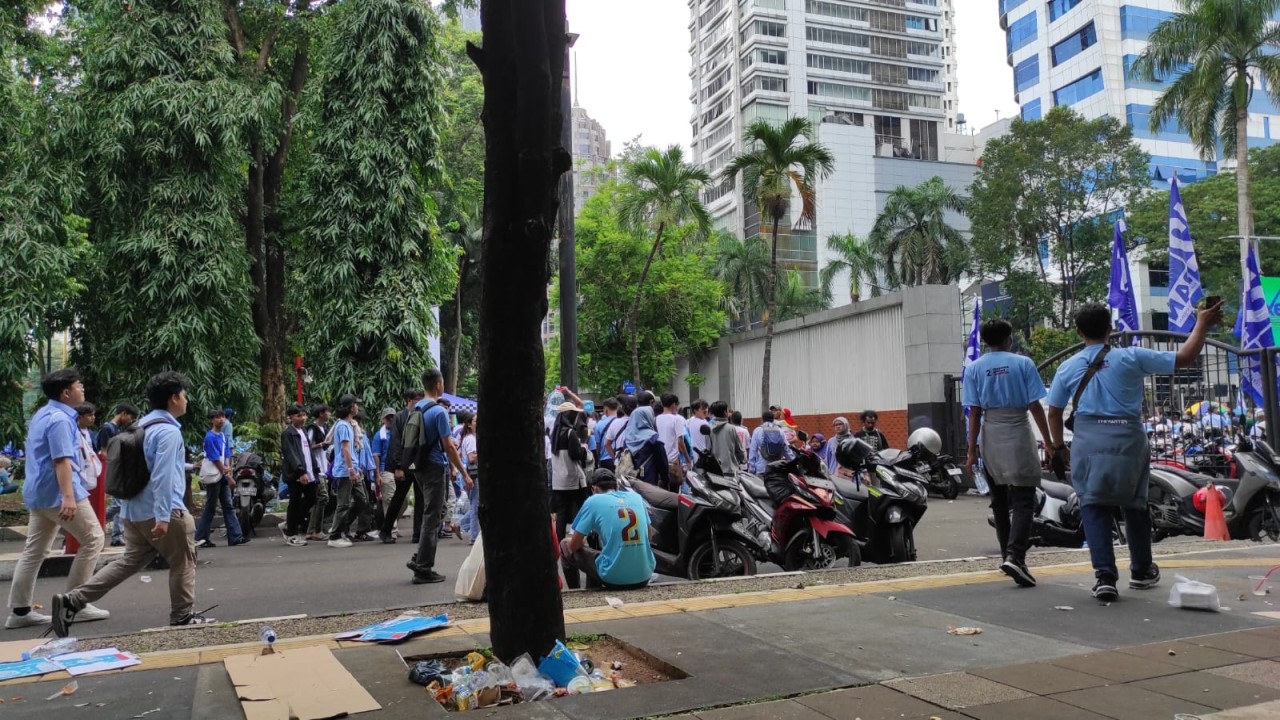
926, 437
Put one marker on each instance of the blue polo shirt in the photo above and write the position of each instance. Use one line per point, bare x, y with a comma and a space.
381, 444
1116, 390
620, 520
343, 433
364, 458
435, 424
1002, 380
166, 460
52, 435
215, 447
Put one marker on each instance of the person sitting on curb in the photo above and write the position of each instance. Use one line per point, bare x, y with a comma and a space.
621, 522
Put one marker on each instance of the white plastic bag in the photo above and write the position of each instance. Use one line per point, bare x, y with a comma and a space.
471, 579
1194, 595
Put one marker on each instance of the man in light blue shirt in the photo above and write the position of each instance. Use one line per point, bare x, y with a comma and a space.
1112, 467
347, 473
55, 497
156, 520
620, 520
755, 462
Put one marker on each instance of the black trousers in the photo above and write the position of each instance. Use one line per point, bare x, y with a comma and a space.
566, 504
396, 505
301, 499
1013, 508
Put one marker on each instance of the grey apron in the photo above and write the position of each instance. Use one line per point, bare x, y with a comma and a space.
1110, 461
1009, 448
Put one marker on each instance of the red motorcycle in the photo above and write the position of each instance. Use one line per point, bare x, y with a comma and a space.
804, 531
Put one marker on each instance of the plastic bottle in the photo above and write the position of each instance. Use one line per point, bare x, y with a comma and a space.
267, 635
53, 648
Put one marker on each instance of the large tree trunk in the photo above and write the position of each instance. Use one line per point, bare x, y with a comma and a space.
522, 65
453, 373
771, 310
633, 317
1244, 200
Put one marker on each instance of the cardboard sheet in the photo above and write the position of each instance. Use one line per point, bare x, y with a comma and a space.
298, 684
396, 629
93, 661
12, 651
27, 668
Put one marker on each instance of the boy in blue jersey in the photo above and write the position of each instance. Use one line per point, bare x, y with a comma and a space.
999, 389
621, 522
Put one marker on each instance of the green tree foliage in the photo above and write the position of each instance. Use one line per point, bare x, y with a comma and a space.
680, 311
913, 241
159, 125
795, 298
1211, 212
1218, 53
743, 267
854, 257
1046, 342
39, 239
376, 263
780, 158
1041, 186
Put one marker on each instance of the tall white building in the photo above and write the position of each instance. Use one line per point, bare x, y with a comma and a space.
1078, 53
591, 153
885, 69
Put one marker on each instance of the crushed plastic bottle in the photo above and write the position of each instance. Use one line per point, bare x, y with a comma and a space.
267, 635
53, 648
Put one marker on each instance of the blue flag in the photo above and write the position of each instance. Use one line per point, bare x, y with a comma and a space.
1184, 269
971, 350
1256, 328
1120, 297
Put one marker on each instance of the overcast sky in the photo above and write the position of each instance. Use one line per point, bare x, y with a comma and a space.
633, 66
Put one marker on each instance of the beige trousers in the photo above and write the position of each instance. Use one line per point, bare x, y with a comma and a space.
178, 546
42, 530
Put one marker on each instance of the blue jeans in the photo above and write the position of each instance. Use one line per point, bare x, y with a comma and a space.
470, 520
1098, 523
215, 494
113, 514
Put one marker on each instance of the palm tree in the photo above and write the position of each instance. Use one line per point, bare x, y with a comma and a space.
778, 159
1215, 48
912, 238
795, 298
659, 190
853, 256
743, 267
465, 234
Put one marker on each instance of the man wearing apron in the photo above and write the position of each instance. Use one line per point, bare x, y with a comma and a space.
1112, 457
999, 389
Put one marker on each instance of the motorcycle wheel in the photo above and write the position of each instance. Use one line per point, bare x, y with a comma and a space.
953, 489
849, 548
1263, 524
735, 560
800, 556
256, 515
242, 514
902, 544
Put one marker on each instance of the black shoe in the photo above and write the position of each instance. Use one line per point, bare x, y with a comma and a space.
416, 539
427, 577
1147, 580
206, 543
413, 563
241, 541
193, 619
363, 537
386, 539
1105, 590
1019, 572
117, 543
64, 613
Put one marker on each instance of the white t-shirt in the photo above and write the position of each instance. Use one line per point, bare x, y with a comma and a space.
670, 427
612, 432
306, 454
695, 433
468, 447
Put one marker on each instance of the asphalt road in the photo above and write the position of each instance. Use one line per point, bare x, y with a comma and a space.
267, 578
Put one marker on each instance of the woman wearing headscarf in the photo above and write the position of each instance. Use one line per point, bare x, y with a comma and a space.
840, 428
568, 472
647, 452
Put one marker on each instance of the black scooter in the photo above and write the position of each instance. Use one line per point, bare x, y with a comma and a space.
696, 533
941, 475
1057, 521
883, 503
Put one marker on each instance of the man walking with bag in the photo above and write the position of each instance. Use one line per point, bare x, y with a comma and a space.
215, 476
431, 453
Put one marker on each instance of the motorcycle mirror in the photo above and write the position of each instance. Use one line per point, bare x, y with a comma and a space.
705, 430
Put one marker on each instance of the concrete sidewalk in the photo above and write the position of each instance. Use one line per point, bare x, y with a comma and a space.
835, 652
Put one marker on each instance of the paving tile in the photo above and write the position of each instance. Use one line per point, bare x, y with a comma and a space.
677, 696
1245, 642
1260, 672
776, 710
1185, 655
1212, 690
1033, 707
1117, 667
1041, 678
873, 702
956, 690
1264, 711
1129, 702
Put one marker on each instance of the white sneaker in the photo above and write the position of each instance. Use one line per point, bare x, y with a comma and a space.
340, 543
92, 612
295, 541
31, 619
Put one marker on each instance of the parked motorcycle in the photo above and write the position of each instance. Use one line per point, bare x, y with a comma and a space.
924, 457
1254, 500
808, 534
883, 513
1057, 521
252, 491
695, 535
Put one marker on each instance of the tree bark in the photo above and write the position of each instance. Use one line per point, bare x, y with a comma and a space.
522, 65
451, 381
633, 318
1244, 199
771, 309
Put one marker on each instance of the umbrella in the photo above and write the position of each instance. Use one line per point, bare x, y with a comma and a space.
460, 404
1204, 407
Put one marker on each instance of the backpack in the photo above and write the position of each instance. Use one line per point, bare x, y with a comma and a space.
773, 444
415, 434
127, 471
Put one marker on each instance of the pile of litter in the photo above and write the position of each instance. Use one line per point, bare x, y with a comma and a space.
479, 682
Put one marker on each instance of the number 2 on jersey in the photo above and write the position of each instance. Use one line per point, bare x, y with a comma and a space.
629, 533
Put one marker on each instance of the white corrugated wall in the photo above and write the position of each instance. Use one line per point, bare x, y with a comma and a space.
853, 362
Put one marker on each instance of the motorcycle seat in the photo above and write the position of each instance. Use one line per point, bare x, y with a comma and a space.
848, 489
1056, 490
890, 456
754, 486
656, 496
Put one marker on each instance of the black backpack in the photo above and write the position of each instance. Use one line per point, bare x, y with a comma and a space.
415, 434
127, 472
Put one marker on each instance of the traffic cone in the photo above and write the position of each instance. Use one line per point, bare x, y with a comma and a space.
1215, 525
